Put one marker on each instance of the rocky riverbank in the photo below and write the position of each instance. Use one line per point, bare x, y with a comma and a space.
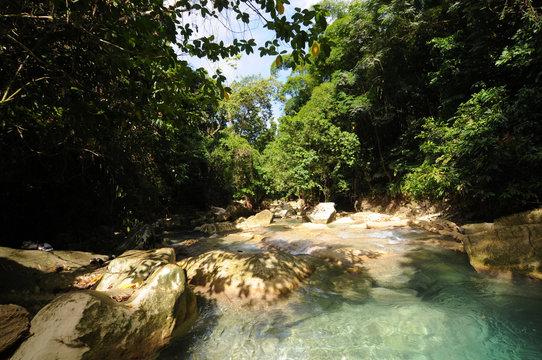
261, 260
131, 307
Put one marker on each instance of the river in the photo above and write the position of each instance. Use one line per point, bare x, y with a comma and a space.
413, 299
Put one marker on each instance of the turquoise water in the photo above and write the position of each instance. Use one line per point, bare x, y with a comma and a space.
438, 308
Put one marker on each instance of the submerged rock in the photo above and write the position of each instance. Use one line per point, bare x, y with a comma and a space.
336, 256
323, 213
91, 325
510, 244
447, 244
14, 325
216, 228
248, 277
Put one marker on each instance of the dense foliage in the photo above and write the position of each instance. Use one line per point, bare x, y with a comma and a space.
102, 123
442, 100
249, 110
312, 156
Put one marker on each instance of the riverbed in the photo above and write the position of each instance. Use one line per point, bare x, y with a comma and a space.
410, 299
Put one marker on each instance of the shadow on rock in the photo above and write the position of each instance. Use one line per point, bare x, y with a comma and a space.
247, 277
93, 324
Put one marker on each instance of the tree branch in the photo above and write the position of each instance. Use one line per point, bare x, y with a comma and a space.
5, 100
25, 48
28, 16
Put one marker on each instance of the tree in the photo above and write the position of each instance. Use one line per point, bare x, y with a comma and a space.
236, 169
249, 109
311, 155
101, 123
436, 92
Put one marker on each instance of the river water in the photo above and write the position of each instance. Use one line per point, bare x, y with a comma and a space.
416, 301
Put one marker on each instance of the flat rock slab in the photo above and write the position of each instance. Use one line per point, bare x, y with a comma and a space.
33, 278
344, 220
526, 217
247, 277
48, 261
387, 224
441, 227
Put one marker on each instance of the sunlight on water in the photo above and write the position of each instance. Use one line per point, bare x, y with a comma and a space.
440, 309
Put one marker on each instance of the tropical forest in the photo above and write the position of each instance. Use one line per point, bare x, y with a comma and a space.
369, 187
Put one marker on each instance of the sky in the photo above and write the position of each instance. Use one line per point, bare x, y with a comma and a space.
251, 64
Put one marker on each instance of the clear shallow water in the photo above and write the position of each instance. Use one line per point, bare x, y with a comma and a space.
438, 308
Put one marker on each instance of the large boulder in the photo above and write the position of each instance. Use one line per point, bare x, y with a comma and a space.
247, 277
262, 218
91, 325
323, 213
284, 213
283, 209
14, 325
510, 244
